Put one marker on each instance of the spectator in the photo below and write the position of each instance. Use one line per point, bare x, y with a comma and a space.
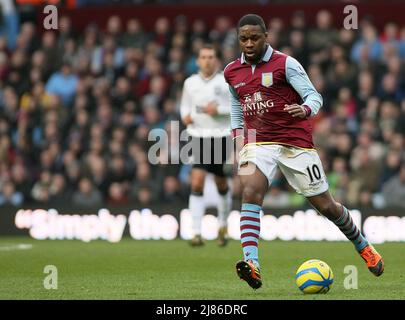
9, 196
368, 45
135, 36
117, 195
51, 51
365, 175
391, 166
98, 173
324, 34
143, 180
171, 190
394, 189
63, 84
40, 191
109, 52
11, 19
390, 89
22, 180
87, 195
58, 190
144, 196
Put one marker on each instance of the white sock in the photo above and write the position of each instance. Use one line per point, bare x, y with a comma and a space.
196, 206
224, 208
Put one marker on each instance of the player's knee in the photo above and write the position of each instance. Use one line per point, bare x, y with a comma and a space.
222, 187
197, 183
223, 190
197, 187
252, 194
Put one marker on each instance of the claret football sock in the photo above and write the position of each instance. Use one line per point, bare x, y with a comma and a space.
346, 224
250, 231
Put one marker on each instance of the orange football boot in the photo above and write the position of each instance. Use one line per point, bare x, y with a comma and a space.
373, 259
249, 272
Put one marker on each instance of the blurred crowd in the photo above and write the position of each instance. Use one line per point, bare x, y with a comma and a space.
76, 109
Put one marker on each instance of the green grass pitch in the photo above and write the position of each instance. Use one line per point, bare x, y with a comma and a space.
168, 270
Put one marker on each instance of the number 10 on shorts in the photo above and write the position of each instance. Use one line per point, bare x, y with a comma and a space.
314, 172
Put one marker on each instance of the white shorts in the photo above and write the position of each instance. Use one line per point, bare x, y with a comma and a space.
301, 167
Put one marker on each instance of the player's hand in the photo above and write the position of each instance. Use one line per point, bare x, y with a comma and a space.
211, 108
187, 120
296, 110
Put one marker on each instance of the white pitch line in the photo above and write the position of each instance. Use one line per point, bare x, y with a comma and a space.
12, 247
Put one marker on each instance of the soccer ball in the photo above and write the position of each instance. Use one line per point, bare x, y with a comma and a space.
314, 276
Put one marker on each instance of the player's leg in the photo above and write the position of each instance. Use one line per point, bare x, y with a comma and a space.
222, 148
304, 172
340, 216
224, 207
196, 203
254, 186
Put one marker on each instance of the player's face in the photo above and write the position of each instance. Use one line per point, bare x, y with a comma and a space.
252, 41
207, 61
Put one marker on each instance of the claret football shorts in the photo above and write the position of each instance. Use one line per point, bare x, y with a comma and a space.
301, 167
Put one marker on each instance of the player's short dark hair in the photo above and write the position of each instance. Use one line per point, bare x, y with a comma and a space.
252, 19
211, 47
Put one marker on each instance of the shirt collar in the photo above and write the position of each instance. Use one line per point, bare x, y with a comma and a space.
210, 77
266, 56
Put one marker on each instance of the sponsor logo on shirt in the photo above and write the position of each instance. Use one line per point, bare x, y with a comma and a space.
255, 104
241, 84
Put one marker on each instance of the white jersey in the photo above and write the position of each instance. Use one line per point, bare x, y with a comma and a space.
198, 92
